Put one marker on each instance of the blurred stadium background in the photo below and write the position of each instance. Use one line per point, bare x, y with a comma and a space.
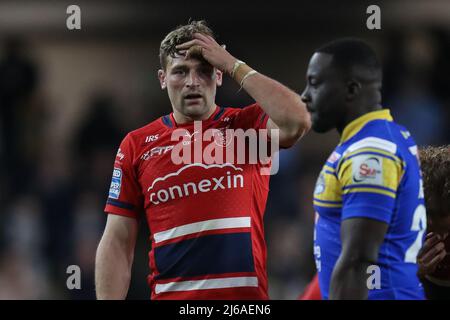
68, 97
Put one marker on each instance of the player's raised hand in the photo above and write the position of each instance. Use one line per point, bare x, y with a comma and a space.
431, 253
211, 51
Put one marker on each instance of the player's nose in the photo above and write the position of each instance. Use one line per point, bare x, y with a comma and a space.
192, 79
305, 96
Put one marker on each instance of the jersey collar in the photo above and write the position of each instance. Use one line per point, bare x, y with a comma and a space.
170, 122
353, 127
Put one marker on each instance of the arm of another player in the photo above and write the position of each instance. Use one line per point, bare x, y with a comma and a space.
361, 239
114, 257
284, 107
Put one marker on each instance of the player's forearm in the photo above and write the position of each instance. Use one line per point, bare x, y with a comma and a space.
112, 269
349, 281
284, 107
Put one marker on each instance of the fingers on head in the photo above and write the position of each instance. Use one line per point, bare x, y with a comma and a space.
430, 252
195, 50
433, 240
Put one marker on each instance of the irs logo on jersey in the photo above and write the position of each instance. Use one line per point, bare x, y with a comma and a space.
151, 138
367, 169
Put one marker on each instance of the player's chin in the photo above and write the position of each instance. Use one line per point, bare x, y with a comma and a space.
318, 126
195, 109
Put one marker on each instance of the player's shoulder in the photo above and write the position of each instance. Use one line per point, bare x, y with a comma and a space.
254, 107
386, 136
229, 111
149, 132
251, 116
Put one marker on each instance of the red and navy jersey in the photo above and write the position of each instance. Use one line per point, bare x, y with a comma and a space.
312, 291
205, 220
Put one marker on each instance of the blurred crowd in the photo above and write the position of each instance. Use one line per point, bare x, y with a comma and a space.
53, 197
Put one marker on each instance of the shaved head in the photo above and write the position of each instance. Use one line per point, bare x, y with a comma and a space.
344, 80
354, 58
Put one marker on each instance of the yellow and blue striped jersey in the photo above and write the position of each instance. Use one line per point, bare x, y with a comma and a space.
373, 173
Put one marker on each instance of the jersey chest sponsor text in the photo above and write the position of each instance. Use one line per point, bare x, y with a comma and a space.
195, 179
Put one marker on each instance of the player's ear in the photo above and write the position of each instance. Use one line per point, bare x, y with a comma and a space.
219, 77
162, 78
353, 89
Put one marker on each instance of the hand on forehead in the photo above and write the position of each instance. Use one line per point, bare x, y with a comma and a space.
194, 52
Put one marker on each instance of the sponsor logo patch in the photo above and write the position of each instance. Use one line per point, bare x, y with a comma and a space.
367, 169
320, 184
221, 138
405, 134
120, 155
151, 138
116, 182
156, 151
217, 178
334, 157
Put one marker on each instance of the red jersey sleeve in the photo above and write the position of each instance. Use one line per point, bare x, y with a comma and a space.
252, 116
125, 197
312, 291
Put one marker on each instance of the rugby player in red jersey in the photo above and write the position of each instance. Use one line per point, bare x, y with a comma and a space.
205, 219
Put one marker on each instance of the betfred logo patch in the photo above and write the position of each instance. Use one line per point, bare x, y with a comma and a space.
367, 169
116, 182
320, 184
334, 157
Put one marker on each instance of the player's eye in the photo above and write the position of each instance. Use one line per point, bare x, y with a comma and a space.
313, 82
206, 71
178, 71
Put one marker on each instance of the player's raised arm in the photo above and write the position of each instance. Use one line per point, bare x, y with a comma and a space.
114, 258
361, 239
284, 107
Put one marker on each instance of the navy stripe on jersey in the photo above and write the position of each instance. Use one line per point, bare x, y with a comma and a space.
328, 201
372, 153
211, 254
263, 117
120, 204
352, 186
167, 121
219, 114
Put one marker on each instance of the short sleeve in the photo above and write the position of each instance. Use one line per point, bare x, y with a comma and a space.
252, 116
125, 197
369, 180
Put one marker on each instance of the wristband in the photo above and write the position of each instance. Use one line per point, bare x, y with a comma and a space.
250, 73
236, 66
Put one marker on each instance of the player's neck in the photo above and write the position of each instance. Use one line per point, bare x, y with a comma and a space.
184, 119
355, 113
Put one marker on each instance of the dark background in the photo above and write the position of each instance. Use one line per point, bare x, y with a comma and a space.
67, 98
